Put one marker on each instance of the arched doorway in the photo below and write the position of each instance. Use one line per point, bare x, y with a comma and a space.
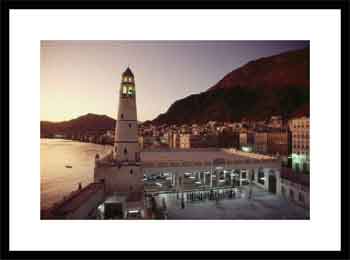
272, 183
252, 175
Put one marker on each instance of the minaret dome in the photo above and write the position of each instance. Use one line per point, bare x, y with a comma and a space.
127, 83
127, 76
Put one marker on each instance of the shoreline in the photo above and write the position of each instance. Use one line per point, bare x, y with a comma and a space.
81, 157
77, 140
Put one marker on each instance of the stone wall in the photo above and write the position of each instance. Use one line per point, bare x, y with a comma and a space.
88, 206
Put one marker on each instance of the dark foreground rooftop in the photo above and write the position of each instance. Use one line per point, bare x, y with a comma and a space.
70, 203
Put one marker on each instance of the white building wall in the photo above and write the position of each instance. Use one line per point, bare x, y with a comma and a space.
124, 179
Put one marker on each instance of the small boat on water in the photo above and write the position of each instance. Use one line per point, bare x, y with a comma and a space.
69, 166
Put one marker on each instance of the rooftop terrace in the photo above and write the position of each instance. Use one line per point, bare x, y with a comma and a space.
165, 157
200, 157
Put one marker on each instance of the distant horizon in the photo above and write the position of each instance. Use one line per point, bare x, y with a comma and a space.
201, 63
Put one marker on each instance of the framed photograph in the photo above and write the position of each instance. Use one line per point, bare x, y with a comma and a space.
175, 130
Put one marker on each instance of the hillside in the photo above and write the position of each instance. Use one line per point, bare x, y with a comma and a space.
276, 85
89, 123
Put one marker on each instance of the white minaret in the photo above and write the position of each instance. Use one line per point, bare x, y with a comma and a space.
126, 147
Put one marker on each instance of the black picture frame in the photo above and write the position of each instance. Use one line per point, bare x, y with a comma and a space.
342, 5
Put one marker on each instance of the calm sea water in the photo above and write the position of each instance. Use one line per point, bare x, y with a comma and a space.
57, 180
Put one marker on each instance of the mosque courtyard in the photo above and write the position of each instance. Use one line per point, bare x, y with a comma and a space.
220, 204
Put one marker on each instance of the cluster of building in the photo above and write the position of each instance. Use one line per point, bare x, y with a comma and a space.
98, 137
288, 140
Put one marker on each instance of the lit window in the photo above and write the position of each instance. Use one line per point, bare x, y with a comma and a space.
124, 90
